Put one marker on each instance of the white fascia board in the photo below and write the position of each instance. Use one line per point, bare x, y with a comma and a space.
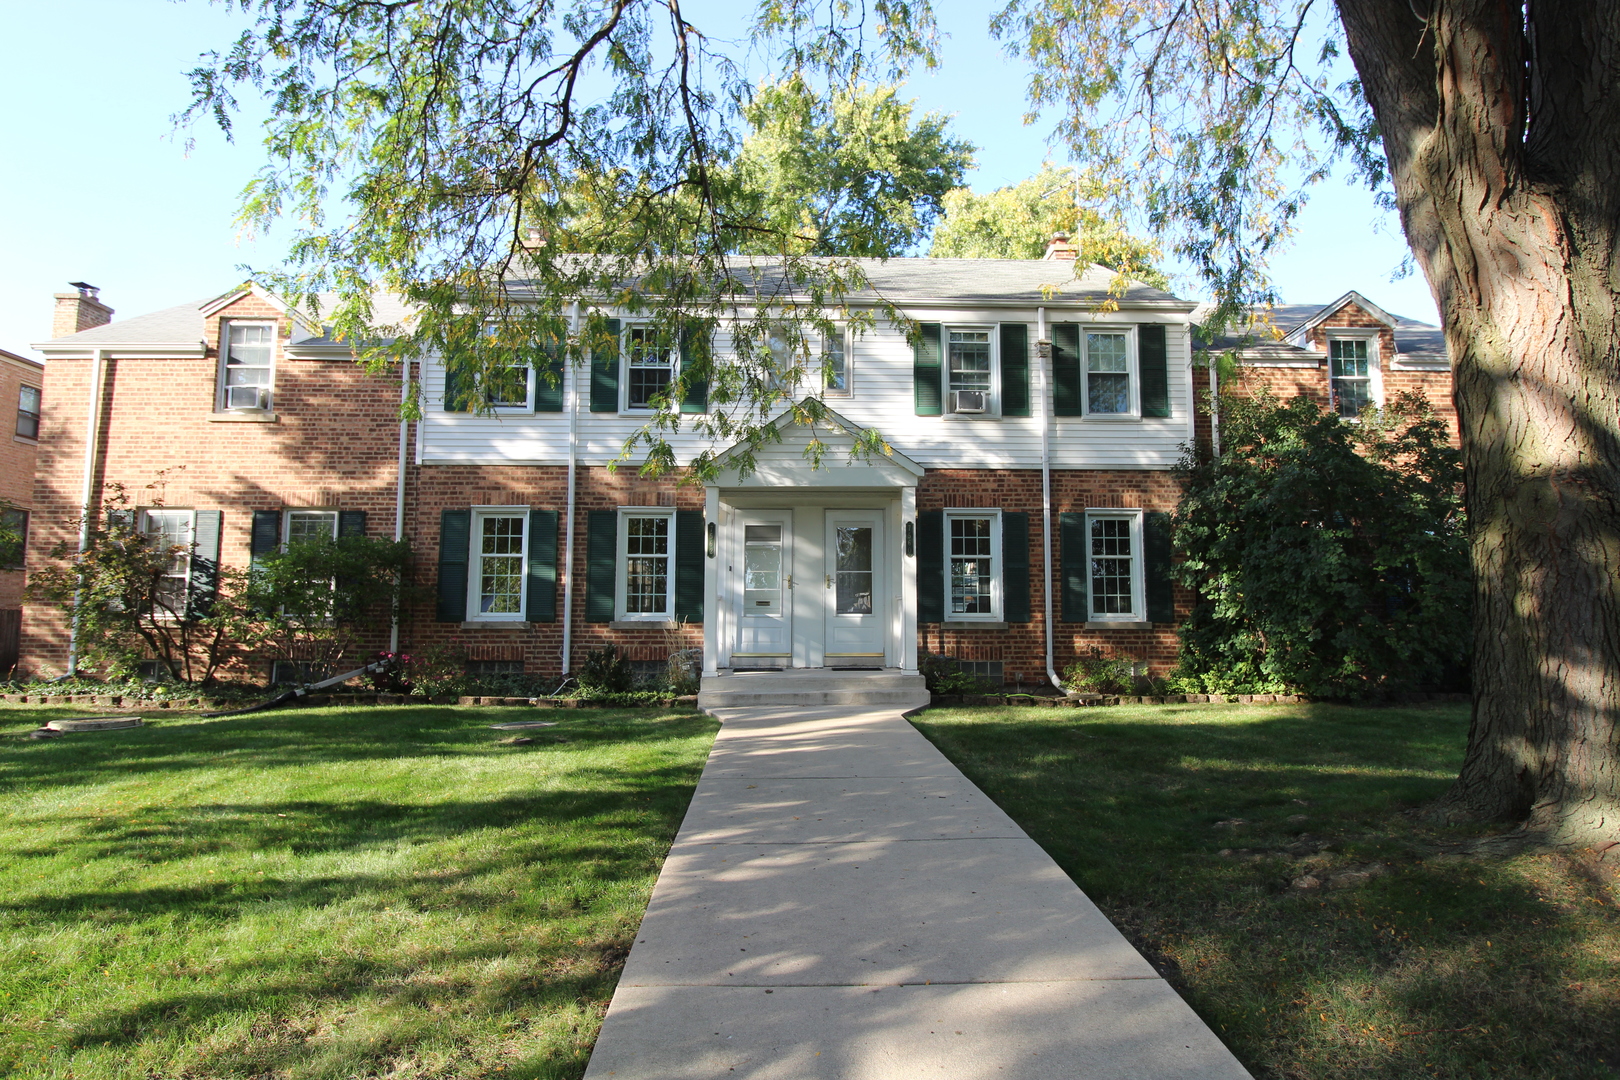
117, 350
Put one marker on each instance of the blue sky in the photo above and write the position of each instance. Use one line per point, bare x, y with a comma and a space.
98, 188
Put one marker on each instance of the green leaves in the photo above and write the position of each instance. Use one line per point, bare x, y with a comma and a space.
1329, 558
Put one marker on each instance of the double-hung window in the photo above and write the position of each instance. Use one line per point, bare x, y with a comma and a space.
1114, 549
973, 564
499, 567
509, 387
646, 551
171, 534
13, 537
649, 365
970, 370
28, 400
245, 365
1108, 384
835, 363
1350, 374
302, 525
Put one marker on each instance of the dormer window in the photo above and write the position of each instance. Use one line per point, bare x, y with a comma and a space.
245, 366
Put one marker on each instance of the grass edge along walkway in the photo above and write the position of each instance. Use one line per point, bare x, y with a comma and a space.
328, 892
1267, 859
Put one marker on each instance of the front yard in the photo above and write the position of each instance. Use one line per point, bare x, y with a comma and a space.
397, 892
1263, 859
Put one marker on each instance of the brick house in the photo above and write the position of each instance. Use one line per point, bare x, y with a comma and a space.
1346, 355
22, 382
1024, 400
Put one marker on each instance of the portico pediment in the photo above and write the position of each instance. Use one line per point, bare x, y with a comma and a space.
819, 454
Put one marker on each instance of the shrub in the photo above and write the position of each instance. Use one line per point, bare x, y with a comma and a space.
943, 675
1095, 673
1329, 558
605, 670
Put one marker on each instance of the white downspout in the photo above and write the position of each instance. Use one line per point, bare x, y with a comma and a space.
571, 396
92, 438
1214, 408
1043, 353
399, 490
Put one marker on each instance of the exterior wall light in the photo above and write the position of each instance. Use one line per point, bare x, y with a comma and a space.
911, 539
710, 529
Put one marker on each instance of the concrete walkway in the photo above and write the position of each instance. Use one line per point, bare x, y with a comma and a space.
841, 902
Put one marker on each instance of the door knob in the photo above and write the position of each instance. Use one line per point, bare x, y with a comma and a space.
829, 581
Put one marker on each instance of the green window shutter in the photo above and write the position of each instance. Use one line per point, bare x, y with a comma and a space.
689, 565
1014, 566
1152, 359
548, 378
926, 373
931, 566
605, 371
266, 535
351, 523
1067, 400
540, 600
204, 584
455, 545
1014, 369
455, 400
601, 565
1076, 564
1156, 552
696, 353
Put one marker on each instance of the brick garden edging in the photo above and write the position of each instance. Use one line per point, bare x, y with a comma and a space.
1073, 701
111, 701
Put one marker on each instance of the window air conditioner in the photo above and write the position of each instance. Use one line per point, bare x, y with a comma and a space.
969, 401
247, 397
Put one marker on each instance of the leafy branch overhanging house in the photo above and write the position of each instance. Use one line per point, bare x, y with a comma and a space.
1021, 402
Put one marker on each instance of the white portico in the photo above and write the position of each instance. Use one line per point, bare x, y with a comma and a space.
811, 567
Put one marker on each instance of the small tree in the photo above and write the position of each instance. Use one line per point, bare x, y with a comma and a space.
132, 605
1328, 557
315, 599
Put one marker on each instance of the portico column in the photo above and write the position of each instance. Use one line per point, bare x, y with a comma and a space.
908, 581
711, 580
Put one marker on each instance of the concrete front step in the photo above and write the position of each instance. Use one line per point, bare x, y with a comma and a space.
811, 687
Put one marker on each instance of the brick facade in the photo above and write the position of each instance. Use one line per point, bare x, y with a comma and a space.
17, 456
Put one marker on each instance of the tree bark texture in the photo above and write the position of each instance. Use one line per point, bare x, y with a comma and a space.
1501, 123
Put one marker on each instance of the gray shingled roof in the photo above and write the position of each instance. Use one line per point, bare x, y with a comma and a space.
1032, 281
1412, 338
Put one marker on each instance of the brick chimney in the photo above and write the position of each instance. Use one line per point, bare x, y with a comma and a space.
80, 310
1061, 249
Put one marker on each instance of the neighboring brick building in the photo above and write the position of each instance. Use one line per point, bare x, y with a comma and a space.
1346, 355
255, 424
21, 384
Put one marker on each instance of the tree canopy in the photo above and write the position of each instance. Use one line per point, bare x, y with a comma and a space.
1017, 221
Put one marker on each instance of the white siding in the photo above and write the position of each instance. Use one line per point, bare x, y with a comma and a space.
881, 374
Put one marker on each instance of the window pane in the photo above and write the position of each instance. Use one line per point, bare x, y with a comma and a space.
1108, 380
509, 386
28, 412
832, 357
1348, 366
648, 368
1348, 358
311, 525
853, 577
646, 566
500, 566
970, 566
969, 356
762, 576
1111, 559
247, 360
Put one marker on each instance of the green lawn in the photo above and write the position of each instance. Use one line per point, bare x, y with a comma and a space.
383, 892
1189, 826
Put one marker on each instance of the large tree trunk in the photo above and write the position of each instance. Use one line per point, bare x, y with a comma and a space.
1501, 124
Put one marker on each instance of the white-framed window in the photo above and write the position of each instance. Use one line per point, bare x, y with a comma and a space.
649, 367
1109, 369
1114, 589
835, 364
28, 406
973, 565
298, 525
174, 533
246, 365
972, 376
1353, 372
646, 571
499, 561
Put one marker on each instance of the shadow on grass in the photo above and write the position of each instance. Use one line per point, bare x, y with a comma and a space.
1190, 827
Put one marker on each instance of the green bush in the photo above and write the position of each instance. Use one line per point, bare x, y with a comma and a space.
943, 675
1095, 673
1329, 558
605, 670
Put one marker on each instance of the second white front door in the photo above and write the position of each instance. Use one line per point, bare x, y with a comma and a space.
763, 599
855, 589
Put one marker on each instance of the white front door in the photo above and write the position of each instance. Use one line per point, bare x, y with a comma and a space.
855, 588
761, 598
